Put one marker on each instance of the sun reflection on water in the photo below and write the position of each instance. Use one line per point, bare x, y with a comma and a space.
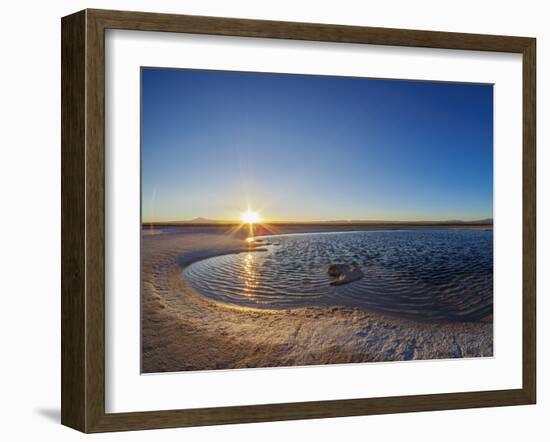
250, 276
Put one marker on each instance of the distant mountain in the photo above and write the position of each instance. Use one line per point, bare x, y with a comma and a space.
201, 220
477, 221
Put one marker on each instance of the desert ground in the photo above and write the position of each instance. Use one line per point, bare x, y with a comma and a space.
181, 330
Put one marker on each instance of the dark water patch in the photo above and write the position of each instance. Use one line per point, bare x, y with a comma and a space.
429, 274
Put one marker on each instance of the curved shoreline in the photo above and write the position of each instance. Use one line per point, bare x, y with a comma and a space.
182, 330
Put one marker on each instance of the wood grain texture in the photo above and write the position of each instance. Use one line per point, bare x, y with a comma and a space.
144, 21
83, 220
529, 221
95, 222
73, 128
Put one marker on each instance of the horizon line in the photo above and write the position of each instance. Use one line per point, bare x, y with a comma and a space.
205, 221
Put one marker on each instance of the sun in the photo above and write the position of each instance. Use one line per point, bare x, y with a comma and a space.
250, 217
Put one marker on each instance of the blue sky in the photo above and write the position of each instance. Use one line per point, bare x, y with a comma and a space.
313, 148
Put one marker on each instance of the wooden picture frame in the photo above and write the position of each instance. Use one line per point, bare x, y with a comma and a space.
83, 220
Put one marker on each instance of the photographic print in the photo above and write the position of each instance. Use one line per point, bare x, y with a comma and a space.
294, 220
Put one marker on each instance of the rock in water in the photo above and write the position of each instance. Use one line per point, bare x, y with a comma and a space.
344, 273
336, 269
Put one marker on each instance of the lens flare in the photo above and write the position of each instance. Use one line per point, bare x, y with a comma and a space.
250, 217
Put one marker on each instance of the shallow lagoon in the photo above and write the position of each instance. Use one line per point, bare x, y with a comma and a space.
423, 274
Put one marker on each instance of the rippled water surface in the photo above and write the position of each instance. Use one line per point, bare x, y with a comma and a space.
434, 275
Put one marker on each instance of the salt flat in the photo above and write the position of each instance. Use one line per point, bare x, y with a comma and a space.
182, 330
